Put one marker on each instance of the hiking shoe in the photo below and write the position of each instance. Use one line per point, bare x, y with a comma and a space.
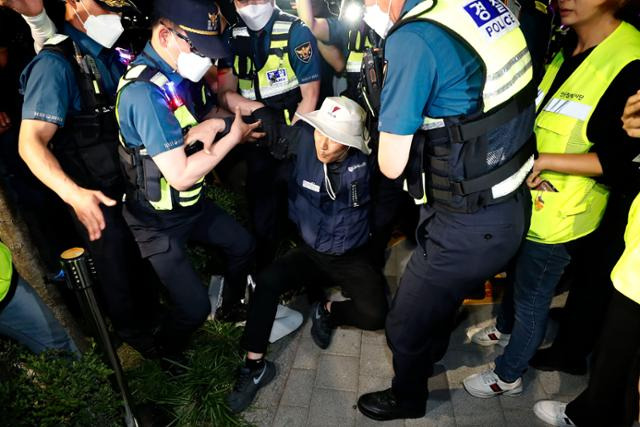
488, 384
247, 385
321, 327
552, 412
489, 336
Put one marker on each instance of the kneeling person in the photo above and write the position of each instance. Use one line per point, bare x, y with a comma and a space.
329, 201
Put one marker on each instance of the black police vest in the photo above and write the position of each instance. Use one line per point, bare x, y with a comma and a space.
87, 145
241, 46
330, 226
458, 163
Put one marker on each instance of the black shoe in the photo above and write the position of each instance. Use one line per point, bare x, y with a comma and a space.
247, 385
383, 406
549, 360
321, 327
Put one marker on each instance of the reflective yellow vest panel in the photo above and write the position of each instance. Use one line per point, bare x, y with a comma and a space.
6, 270
491, 30
626, 274
354, 61
185, 119
276, 77
561, 127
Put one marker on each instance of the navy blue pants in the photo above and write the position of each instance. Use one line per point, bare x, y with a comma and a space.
456, 253
163, 240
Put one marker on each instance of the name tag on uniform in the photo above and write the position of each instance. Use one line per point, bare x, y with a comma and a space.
492, 16
310, 186
277, 76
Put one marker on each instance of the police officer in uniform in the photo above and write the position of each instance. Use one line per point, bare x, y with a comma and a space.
160, 110
456, 117
275, 65
68, 138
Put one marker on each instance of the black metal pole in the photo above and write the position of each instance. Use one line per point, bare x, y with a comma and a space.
80, 274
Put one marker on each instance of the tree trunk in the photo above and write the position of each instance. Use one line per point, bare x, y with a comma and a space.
15, 234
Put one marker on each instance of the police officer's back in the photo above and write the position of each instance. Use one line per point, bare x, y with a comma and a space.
456, 117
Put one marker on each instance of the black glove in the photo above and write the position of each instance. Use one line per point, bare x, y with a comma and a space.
272, 120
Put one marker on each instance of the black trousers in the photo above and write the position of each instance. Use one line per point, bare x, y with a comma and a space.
611, 397
127, 284
267, 180
162, 240
353, 272
456, 253
594, 256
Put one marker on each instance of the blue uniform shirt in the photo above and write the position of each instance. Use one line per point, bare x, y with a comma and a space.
338, 35
300, 34
446, 80
49, 84
145, 116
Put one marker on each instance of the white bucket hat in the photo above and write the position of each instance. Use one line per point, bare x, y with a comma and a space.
342, 120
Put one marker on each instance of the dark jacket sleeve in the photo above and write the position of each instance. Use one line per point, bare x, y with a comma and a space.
619, 154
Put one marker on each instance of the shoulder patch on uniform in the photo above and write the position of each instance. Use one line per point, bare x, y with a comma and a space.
304, 52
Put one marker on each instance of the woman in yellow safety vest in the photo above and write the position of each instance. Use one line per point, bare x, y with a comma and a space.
611, 398
582, 185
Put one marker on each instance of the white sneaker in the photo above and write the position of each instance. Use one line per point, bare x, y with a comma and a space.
489, 336
552, 412
487, 384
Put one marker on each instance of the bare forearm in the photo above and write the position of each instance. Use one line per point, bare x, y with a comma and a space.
572, 164
318, 26
307, 105
45, 166
201, 163
230, 100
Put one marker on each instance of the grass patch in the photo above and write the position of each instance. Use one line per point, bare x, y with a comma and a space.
196, 397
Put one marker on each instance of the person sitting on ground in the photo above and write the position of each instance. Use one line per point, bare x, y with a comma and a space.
329, 202
24, 317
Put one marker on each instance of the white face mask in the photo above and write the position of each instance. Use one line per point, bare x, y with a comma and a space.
104, 29
379, 21
256, 16
192, 66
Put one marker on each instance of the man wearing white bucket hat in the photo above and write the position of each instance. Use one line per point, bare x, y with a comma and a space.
329, 201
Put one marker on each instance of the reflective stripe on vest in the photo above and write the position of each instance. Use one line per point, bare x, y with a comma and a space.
354, 61
6, 270
185, 119
491, 30
276, 77
561, 127
626, 274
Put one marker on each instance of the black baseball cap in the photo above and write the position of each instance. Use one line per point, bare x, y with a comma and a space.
200, 19
117, 5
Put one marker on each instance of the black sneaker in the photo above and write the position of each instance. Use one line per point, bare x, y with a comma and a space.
321, 327
247, 385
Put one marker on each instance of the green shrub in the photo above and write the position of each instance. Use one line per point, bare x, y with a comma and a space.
53, 389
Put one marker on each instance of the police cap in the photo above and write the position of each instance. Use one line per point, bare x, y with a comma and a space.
200, 19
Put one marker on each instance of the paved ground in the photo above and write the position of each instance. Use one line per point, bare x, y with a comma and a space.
320, 388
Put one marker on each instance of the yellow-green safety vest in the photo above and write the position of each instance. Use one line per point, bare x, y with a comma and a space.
488, 28
276, 77
626, 274
6, 270
167, 194
356, 54
561, 127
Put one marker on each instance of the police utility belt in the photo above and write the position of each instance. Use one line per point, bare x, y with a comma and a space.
86, 146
